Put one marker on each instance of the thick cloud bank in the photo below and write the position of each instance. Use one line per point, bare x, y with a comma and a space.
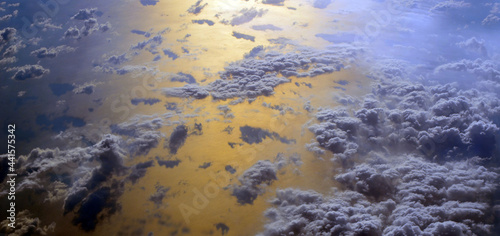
412, 197
258, 75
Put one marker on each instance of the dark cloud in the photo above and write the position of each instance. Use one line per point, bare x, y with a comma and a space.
222, 227
197, 7
177, 138
52, 52
142, 132
139, 171
201, 22
145, 101
28, 72
159, 195
253, 135
243, 36
149, 2
274, 2
205, 165
168, 163
170, 54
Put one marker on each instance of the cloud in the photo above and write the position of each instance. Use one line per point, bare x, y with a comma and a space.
139, 171
441, 122
266, 27
149, 2
451, 4
51, 52
142, 133
177, 138
243, 36
261, 71
274, 2
28, 72
407, 196
87, 88
321, 4
253, 135
197, 7
491, 19
87, 17
246, 15
84, 14
474, 45
253, 181
189, 90
487, 69
26, 224
201, 22
159, 195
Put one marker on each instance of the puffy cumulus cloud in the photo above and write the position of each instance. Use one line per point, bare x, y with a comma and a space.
259, 75
441, 121
141, 133
51, 52
487, 69
408, 197
28, 72
256, 178
474, 45
88, 20
253, 181
26, 224
246, 15
84, 14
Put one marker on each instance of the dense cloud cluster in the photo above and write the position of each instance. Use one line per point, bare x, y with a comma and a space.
85, 179
90, 24
408, 197
26, 224
260, 74
442, 122
142, 133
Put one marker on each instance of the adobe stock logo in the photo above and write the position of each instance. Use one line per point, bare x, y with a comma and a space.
48, 10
